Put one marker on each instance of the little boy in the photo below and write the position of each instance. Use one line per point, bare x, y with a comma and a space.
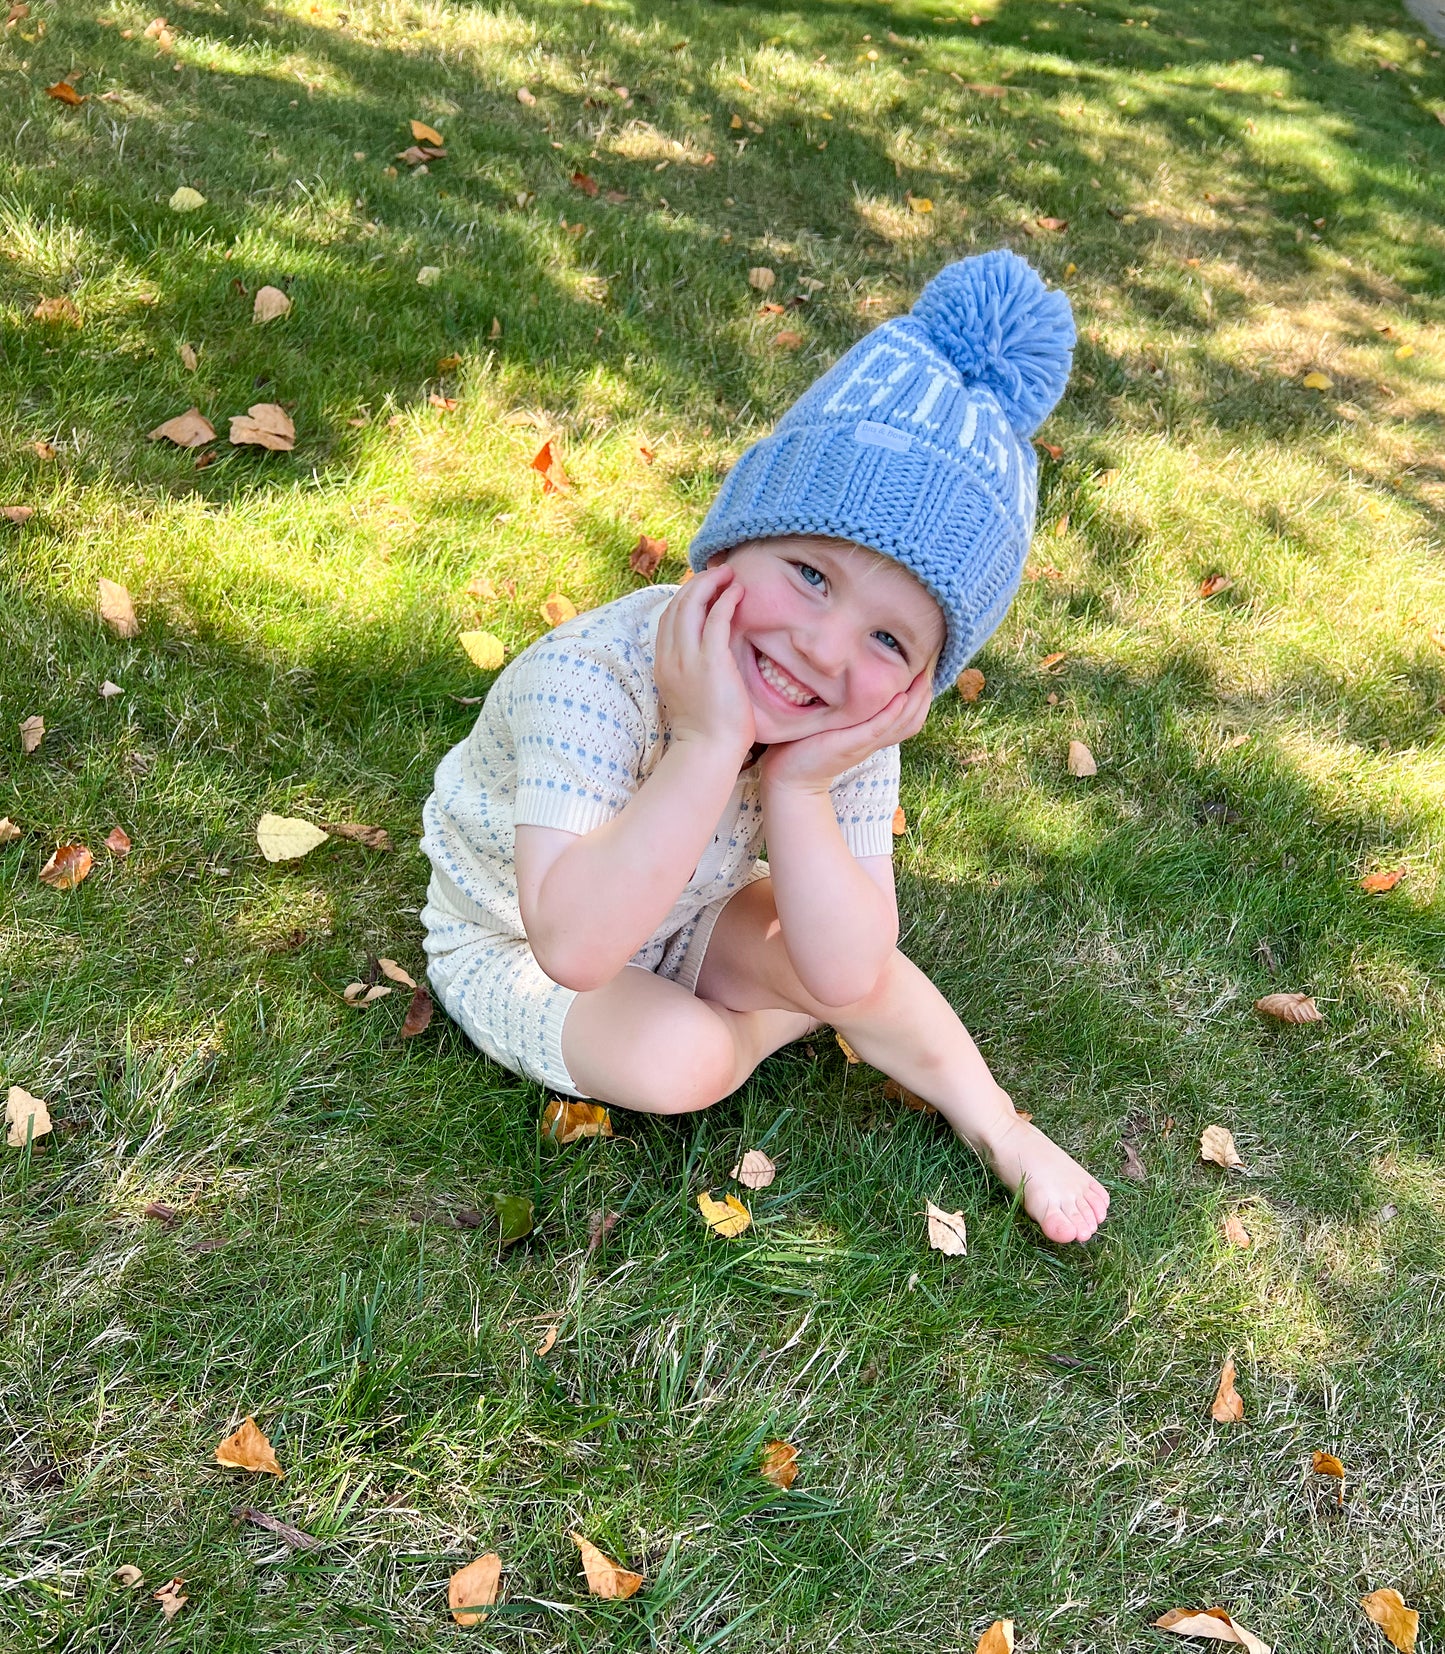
599, 918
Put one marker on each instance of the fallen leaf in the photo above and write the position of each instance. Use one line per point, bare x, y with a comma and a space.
447, 404
727, 1217
581, 181
847, 1049
1214, 584
1290, 1008
60, 309
970, 684
481, 588
1403, 353
374, 838
900, 822
19, 10
26, 1118
17, 513
604, 1577
1235, 1232
919, 203
910, 1099
1056, 224
357, 993
1051, 662
118, 842
754, 1171
248, 1449
418, 1014
394, 973
476, 1585
67, 867
1326, 1464
998, 1639
549, 1338
558, 609
485, 651
429, 275
189, 360
780, 1464
1081, 760
32, 733
787, 340
1318, 382
448, 364
1228, 1404
526, 97
515, 1216
496, 330
188, 430
296, 1538
599, 1226
567, 1120
646, 555
128, 1576
263, 425
171, 1598
1052, 449
186, 199
1399, 1623
109, 690
1375, 884
947, 1232
761, 277
45, 450
270, 303
1216, 1144
160, 1212
554, 478
426, 134
285, 838
1213, 1623
1133, 1167
9, 832
64, 92
117, 610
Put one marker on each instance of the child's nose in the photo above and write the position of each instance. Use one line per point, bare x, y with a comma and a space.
826, 646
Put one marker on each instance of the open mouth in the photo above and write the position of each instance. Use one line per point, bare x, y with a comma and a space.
783, 683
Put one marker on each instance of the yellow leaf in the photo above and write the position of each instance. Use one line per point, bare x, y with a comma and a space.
426, 134
565, 1120
754, 1171
1228, 1404
847, 1049
1404, 353
1217, 1144
920, 203
248, 1449
727, 1217
604, 1577
780, 1464
270, 303
947, 1232
486, 651
116, 609
1213, 1623
1399, 1623
558, 609
26, 1118
284, 838
476, 1585
1317, 381
998, 1639
186, 199
1081, 760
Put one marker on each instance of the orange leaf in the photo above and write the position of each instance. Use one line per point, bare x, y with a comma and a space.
970, 684
558, 609
780, 1464
554, 478
646, 555
1049, 662
426, 134
57, 310
448, 364
1057, 224
67, 867
565, 1120
64, 92
1290, 1008
581, 181
248, 1449
1399, 1623
1052, 449
787, 340
910, 1099
1215, 584
900, 822
476, 1585
418, 1014
1235, 1232
1375, 884
1326, 1464
1228, 1406
604, 1577
117, 841
998, 1639
447, 404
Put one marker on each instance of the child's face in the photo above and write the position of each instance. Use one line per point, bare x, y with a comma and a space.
826, 633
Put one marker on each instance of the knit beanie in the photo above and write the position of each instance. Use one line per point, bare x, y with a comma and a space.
916, 444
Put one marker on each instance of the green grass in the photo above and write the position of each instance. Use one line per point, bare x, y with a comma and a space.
1020, 1433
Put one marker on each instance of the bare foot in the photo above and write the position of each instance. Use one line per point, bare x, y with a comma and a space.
1059, 1195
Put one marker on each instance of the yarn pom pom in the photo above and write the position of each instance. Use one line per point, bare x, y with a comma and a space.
994, 319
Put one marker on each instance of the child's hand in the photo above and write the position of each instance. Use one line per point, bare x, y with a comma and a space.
702, 691
815, 762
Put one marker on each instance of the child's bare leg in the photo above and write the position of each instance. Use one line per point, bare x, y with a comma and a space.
909, 1030
644, 1043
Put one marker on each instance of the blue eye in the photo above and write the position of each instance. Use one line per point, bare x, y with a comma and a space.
888, 641
814, 577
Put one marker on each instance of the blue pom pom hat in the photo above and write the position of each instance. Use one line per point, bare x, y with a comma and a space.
916, 443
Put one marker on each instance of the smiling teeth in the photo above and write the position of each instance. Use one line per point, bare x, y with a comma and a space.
776, 678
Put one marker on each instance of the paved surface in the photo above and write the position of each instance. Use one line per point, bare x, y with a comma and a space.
1429, 12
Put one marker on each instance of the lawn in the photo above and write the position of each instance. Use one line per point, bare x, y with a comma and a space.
1248, 197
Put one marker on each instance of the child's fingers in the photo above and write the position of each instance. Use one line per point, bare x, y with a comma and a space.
718, 627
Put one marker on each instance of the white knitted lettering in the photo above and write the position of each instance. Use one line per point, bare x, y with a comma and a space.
935, 389
863, 376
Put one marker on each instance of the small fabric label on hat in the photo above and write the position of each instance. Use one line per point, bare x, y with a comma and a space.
873, 435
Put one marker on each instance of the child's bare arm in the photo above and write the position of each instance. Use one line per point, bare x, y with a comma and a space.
589, 901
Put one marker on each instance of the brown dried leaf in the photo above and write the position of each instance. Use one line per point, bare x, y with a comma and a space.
970, 684
780, 1464
1213, 1623
1133, 1167
599, 1226
1228, 1404
188, 430
117, 841
297, 1538
358, 993
549, 1339
558, 609
418, 1014
646, 555
45, 450
263, 425
727, 1217
117, 610
270, 303
67, 867
394, 973
568, 1120
998, 1639
1235, 1232
128, 1576
1051, 663
1055, 224
171, 1597
947, 1232
910, 1099
248, 1449
9, 832
161, 1211
1290, 1008
1081, 760
61, 309
26, 1118
1376, 884
526, 97
754, 1171
32, 732
17, 513
1215, 584
64, 92
604, 1577
374, 838
1400, 1624
189, 360
761, 277
788, 339
1216, 1144
581, 181
481, 588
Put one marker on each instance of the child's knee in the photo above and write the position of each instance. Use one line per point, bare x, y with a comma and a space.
698, 1072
